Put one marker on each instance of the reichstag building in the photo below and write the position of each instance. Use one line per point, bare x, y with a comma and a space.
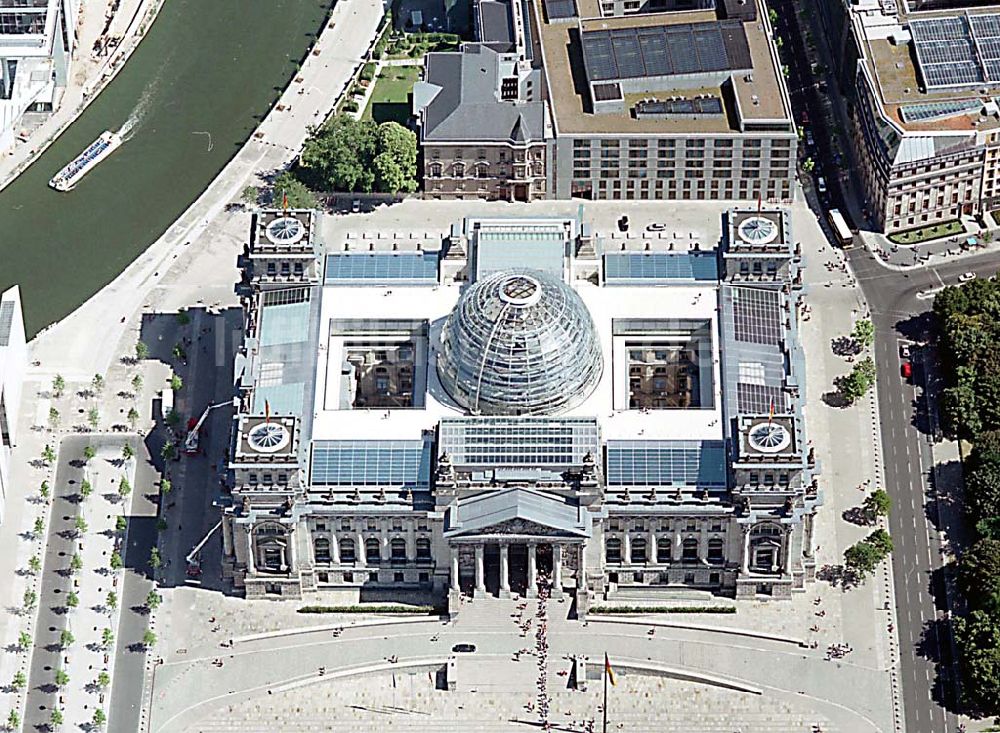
426, 417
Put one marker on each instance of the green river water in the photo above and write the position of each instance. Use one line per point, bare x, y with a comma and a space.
193, 92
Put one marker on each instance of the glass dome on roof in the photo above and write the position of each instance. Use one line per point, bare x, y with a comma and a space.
519, 342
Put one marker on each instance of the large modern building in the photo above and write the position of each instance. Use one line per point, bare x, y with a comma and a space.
926, 119
13, 364
37, 40
521, 400
620, 99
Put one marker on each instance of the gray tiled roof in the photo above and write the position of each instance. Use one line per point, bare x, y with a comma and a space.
496, 24
497, 507
465, 107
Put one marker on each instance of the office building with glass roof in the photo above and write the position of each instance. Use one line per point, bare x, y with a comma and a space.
520, 402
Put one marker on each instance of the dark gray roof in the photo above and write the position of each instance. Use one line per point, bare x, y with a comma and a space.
480, 514
463, 104
496, 26
6, 319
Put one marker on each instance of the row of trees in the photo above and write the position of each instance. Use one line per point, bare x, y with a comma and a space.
968, 322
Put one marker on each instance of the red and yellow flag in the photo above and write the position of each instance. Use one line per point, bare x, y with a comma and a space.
284, 202
267, 411
608, 670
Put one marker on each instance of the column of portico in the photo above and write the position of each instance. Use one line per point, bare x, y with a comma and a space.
335, 549
532, 570
581, 567
626, 548
504, 570
557, 570
480, 570
251, 561
651, 545
454, 567
746, 551
288, 553
359, 551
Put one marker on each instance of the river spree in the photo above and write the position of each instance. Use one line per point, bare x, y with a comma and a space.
188, 98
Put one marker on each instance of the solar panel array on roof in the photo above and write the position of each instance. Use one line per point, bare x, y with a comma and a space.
371, 463
401, 268
607, 92
756, 399
560, 9
671, 107
630, 267
958, 51
699, 463
757, 316
6, 320
668, 50
938, 110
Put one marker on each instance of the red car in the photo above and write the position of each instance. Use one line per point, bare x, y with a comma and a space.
907, 370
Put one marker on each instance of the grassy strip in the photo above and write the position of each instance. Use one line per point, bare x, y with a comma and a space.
661, 609
368, 609
924, 234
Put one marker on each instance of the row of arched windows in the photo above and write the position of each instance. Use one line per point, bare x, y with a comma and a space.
664, 550
373, 550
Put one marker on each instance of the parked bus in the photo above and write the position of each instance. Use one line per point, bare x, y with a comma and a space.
843, 232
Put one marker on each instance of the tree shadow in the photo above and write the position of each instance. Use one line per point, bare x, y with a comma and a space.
845, 346
935, 645
836, 398
858, 516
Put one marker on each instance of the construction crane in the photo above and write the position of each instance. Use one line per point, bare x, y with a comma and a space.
193, 558
191, 442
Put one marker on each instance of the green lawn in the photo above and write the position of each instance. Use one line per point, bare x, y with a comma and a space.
924, 234
390, 101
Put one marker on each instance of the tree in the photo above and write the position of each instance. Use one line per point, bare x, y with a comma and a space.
19, 680
43, 490
58, 385
62, 678
862, 557
389, 176
864, 332
76, 562
127, 452
121, 524
93, 418
337, 156
89, 453
808, 165
877, 504
108, 638
772, 15
183, 318
99, 718
116, 560
250, 195
66, 638
14, 720
133, 417
288, 187
48, 455
103, 678
400, 145
30, 598
148, 638
167, 451
97, 383
173, 418
86, 489
853, 386
179, 352
124, 487
166, 486
153, 600
80, 524
881, 541
137, 383
111, 601
161, 525
979, 575
39, 526
24, 641
176, 383
56, 717
141, 350
72, 599
155, 561
34, 564
53, 418
978, 638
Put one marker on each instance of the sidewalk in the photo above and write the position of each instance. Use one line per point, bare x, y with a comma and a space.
90, 72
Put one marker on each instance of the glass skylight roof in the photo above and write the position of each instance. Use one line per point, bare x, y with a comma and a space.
371, 463
382, 268
666, 463
631, 267
519, 442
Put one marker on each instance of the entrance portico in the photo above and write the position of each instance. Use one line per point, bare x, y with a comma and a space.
510, 541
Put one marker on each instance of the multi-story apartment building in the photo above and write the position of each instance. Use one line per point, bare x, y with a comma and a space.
926, 119
614, 99
37, 40
13, 365
521, 403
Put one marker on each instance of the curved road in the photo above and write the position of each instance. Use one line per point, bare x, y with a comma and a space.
186, 690
927, 674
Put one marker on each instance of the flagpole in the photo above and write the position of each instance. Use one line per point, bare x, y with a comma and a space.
605, 706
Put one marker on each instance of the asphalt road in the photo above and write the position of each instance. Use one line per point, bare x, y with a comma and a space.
927, 670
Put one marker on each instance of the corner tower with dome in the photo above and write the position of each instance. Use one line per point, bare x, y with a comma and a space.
516, 402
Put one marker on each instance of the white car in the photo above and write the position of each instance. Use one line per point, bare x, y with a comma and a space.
966, 276
821, 184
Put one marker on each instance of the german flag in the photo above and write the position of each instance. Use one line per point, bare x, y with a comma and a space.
608, 670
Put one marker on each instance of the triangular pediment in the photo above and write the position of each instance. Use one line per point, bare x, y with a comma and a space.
516, 527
